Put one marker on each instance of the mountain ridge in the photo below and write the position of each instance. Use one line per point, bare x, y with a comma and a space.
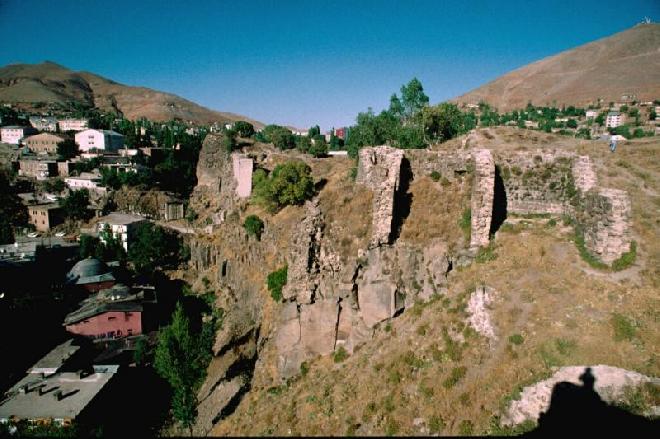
581, 75
53, 83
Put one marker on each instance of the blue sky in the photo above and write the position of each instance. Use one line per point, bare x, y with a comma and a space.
304, 62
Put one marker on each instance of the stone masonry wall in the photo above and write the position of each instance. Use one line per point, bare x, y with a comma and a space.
583, 173
242, 167
482, 198
379, 168
605, 220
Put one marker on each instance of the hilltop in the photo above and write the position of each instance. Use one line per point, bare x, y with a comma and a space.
47, 82
623, 64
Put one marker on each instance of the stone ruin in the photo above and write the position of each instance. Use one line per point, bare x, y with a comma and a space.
242, 170
379, 168
483, 192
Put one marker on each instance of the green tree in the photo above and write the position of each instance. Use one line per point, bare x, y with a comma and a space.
289, 183
572, 123
318, 148
229, 140
314, 131
244, 129
442, 122
282, 138
396, 107
12, 211
67, 149
75, 205
88, 246
181, 359
153, 246
413, 98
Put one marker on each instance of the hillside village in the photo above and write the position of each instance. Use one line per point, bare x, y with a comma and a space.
432, 269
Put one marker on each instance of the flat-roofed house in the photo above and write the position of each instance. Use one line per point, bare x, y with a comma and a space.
122, 225
39, 169
13, 134
99, 140
44, 123
72, 124
45, 216
44, 143
614, 119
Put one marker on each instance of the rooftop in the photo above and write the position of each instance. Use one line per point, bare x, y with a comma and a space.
53, 360
117, 218
58, 396
117, 298
88, 271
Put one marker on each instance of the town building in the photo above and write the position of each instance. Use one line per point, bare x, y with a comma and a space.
72, 124
99, 140
39, 169
86, 180
44, 123
44, 143
13, 134
64, 169
59, 397
339, 153
91, 274
121, 225
591, 114
111, 313
45, 216
614, 119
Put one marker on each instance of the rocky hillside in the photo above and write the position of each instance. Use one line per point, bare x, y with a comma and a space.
430, 291
51, 83
601, 69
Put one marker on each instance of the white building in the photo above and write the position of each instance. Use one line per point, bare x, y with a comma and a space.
122, 226
13, 134
72, 124
106, 140
592, 114
44, 123
614, 119
86, 180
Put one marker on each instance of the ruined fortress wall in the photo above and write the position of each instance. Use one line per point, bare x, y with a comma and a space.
448, 164
483, 191
537, 182
379, 168
605, 221
242, 167
583, 173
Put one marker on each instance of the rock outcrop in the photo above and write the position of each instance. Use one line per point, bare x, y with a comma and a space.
483, 191
610, 383
379, 168
478, 308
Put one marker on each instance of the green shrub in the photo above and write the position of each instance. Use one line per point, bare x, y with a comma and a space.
624, 328
445, 182
465, 428
254, 226
584, 253
465, 223
565, 346
435, 176
516, 339
456, 374
340, 355
626, 259
304, 368
391, 427
290, 183
436, 424
276, 280
551, 223
486, 254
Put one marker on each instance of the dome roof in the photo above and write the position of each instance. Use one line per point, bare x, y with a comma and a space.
89, 270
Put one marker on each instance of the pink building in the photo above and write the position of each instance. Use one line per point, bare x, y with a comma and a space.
109, 324
111, 313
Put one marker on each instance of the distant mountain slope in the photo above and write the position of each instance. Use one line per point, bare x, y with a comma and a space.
50, 82
625, 63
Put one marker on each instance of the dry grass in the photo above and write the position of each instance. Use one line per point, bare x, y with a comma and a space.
435, 212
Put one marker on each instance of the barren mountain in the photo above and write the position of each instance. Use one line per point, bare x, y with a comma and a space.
627, 63
52, 83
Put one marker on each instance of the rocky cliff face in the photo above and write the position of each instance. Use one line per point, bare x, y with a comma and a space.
341, 285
